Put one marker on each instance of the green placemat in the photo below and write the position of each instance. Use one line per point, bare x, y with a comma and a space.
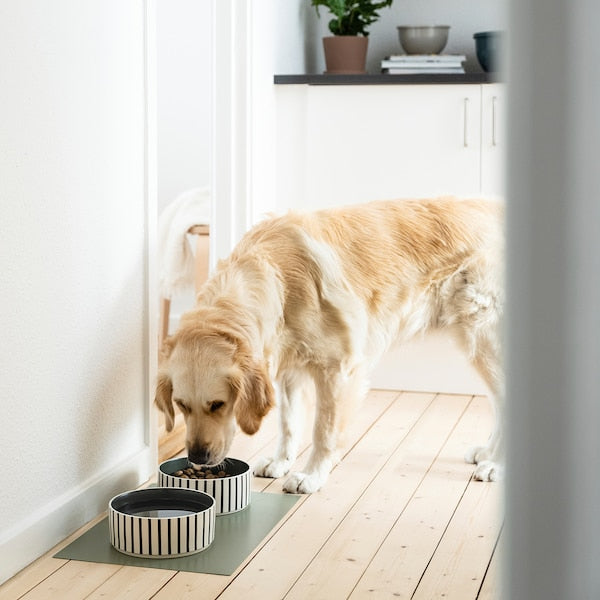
236, 535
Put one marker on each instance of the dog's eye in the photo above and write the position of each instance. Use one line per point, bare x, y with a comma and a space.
182, 407
216, 406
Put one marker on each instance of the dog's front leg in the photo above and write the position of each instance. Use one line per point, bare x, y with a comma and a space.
291, 418
331, 389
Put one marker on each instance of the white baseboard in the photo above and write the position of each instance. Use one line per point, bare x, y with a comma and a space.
30, 538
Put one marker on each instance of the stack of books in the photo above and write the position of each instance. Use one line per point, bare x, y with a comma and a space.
409, 64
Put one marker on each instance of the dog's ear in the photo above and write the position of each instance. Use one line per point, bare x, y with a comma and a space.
254, 396
163, 399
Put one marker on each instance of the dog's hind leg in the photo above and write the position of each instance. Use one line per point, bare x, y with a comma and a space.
485, 356
472, 307
334, 390
293, 392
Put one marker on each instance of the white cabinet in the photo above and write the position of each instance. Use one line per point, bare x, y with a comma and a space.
391, 141
346, 144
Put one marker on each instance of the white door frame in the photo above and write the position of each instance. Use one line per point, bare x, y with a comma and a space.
231, 85
151, 184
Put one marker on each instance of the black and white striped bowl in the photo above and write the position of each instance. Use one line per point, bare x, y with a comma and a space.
231, 493
161, 522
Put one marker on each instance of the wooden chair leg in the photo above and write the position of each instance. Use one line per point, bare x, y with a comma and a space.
201, 274
163, 330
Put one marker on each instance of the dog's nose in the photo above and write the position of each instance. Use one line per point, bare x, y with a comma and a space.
199, 456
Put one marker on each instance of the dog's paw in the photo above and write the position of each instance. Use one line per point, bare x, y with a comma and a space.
488, 470
271, 467
478, 454
302, 483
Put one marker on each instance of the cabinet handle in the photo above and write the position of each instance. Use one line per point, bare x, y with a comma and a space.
494, 101
465, 121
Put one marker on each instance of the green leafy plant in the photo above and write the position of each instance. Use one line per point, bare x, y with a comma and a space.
352, 17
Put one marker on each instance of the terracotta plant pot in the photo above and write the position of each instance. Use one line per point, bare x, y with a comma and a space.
345, 54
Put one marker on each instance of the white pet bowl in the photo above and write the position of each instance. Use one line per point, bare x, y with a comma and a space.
231, 492
161, 522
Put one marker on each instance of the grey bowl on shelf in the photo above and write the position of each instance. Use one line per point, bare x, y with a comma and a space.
488, 49
423, 39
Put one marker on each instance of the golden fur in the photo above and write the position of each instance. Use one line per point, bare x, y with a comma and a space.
310, 302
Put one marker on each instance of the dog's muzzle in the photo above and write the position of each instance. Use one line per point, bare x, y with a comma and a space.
200, 457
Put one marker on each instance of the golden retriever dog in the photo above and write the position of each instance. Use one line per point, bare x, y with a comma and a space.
308, 303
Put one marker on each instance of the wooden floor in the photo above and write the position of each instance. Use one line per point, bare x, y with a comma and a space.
399, 517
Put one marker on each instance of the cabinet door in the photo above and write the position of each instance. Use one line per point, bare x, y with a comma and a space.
372, 142
493, 139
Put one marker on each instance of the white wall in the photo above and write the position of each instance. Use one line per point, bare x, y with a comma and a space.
183, 30
73, 272
283, 40
184, 46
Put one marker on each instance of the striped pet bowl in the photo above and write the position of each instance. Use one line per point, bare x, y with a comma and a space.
231, 493
161, 522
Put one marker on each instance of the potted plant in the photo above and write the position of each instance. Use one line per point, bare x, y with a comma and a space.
346, 50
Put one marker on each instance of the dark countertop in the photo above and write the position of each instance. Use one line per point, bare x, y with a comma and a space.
386, 79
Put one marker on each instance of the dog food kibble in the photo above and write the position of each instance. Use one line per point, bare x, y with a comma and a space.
201, 473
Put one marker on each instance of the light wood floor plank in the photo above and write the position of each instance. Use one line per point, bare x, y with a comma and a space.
492, 584
275, 569
132, 583
404, 555
459, 563
28, 578
337, 567
74, 581
40, 569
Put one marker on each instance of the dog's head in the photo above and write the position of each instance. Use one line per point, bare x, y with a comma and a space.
214, 380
